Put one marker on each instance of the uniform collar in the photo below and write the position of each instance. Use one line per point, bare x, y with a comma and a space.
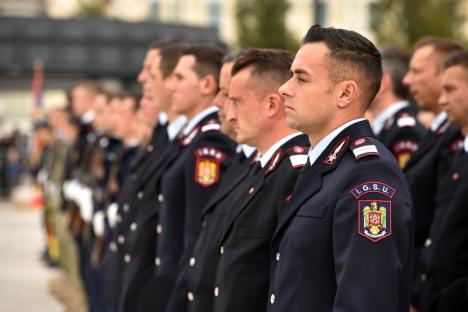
246, 149
175, 127
195, 120
162, 119
379, 122
465, 144
269, 153
318, 149
438, 121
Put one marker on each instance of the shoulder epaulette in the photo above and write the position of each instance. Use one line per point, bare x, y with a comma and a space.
189, 138
406, 120
363, 147
298, 156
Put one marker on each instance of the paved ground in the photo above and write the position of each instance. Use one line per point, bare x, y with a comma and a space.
24, 279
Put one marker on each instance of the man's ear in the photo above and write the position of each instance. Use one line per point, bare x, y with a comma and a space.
348, 91
208, 85
386, 83
275, 104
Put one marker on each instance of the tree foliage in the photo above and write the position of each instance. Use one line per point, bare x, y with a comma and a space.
92, 8
405, 22
262, 23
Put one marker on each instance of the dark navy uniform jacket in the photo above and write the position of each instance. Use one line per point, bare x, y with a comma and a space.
185, 187
127, 199
198, 275
444, 257
402, 134
243, 272
425, 171
345, 240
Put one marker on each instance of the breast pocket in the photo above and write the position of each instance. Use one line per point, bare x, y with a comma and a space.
312, 210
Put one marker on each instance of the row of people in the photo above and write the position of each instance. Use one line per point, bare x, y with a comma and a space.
282, 197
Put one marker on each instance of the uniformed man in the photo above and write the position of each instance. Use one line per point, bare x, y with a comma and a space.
199, 279
395, 123
345, 240
138, 243
426, 169
444, 288
202, 157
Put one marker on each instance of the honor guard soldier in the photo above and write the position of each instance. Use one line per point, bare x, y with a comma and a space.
428, 166
138, 243
115, 257
198, 275
193, 177
346, 235
395, 123
257, 112
444, 256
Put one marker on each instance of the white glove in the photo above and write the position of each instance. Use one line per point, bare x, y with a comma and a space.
85, 202
98, 223
112, 214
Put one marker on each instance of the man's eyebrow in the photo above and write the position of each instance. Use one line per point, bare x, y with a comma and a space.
300, 71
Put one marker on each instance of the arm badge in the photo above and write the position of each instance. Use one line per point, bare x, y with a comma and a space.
375, 219
207, 166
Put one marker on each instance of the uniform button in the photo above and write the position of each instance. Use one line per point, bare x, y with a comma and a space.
192, 261
159, 228
126, 207
190, 296
216, 291
160, 197
140, 195
121, 239
423, 277
157, 261
251, 190
113, 247
127, 258
272, 298
150, 148
133, 226
428, 243
278, 256
455, 176
221, 250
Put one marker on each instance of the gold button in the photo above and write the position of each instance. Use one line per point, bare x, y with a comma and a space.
455, 176
278, 256
140, 195
428, 243
150, 148
192, 261
113, 247
126, 207
221, 250
127, 258
251, 190
121, 239
160, 197
190, 296
133, 226
216, 291
159, 228
272, 298
157, 261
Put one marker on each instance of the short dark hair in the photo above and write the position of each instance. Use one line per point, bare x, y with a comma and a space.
170, 53
395, 62
457, 59
91, 85
233, 56
350, 53
442, 47
268, 65
208, 59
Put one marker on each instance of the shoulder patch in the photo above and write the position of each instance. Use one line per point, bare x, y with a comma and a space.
403, 150
274, 161
363, 147
337, 150
189, 138
375, 219
298, 161
406, 120
207, 166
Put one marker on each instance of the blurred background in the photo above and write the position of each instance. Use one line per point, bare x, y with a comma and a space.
47, 45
